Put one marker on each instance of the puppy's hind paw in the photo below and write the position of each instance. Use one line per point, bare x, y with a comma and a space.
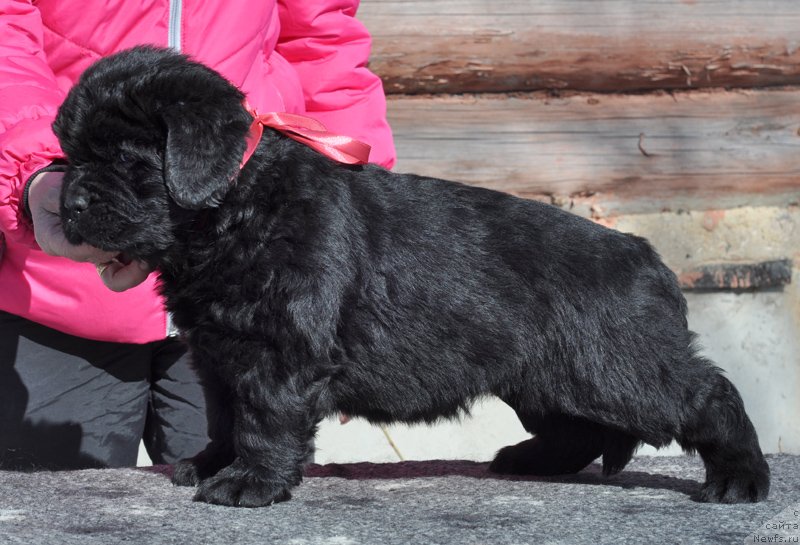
536, 456
507, 461
241, 488
744, 488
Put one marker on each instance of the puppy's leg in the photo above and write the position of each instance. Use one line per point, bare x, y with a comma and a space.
565, 444
718, 428
618, 449
219, 452
274, 421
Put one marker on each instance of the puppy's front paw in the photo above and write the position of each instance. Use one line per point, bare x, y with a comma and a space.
242, 487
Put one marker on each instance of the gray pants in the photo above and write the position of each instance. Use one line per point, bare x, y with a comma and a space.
68, 402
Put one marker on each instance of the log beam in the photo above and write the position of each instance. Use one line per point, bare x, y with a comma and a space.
457, 46
611, 153
738, 276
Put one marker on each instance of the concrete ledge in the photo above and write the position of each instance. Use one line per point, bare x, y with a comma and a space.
411, 502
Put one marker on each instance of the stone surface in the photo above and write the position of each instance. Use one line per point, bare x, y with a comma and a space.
387, 504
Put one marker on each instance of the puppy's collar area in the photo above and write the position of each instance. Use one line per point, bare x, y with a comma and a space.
307, 131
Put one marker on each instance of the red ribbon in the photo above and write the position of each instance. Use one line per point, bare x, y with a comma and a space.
309, 132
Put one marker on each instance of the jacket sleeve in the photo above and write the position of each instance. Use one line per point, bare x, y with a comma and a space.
29, 99
329, 49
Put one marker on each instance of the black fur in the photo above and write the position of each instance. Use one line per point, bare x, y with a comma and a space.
305, 287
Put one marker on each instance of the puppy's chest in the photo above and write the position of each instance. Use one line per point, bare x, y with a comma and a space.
226, 287
245, 272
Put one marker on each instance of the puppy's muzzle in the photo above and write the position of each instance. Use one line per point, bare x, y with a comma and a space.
76, 202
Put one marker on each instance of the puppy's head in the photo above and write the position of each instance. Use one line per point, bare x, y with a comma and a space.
148, 135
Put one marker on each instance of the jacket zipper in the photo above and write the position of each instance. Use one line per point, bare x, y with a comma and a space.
174, 34
174, 41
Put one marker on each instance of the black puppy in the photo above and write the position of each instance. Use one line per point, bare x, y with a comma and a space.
305, 287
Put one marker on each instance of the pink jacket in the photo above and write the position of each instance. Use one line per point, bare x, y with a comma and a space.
290, 55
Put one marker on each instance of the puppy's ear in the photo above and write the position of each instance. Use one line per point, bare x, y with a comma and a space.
203, 152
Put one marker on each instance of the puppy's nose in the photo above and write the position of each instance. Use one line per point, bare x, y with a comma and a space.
77, 201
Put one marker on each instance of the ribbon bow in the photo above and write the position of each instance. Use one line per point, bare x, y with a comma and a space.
307, 131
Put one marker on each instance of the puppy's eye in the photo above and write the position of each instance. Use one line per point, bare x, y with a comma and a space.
124, 158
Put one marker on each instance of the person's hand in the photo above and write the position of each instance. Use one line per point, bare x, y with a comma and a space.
43, 200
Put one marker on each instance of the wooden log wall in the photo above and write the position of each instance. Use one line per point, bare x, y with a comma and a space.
618, 106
